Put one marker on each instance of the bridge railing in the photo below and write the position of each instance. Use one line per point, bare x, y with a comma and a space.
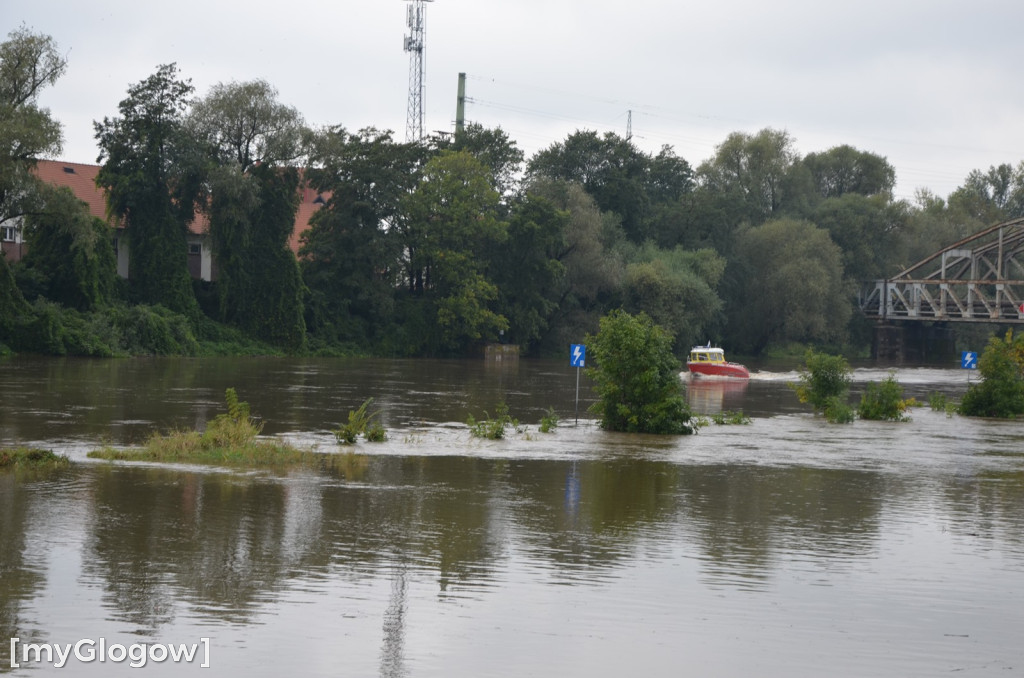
979, 279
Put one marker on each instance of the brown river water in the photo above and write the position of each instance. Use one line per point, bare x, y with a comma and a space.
785, 547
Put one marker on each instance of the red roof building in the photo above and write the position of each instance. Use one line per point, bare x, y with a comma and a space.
81, 179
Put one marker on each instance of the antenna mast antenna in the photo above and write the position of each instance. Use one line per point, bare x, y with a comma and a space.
414, 45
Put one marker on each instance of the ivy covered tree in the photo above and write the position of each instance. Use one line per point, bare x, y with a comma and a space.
70, 252
256, 143
152, 170
637, 377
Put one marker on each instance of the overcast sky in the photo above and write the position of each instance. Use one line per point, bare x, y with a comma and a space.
932, 85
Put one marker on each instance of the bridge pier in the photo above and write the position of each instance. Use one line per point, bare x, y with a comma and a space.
899, 343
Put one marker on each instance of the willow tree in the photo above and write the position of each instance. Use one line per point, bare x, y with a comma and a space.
152, 172
254, 186
29, 63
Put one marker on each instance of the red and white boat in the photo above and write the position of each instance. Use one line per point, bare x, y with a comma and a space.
705, 361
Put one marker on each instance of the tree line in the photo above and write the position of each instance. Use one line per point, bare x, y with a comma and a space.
436, 247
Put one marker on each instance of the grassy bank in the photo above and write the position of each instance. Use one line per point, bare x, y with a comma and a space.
230, 439
25, 457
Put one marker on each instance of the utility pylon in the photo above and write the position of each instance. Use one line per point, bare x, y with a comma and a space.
414, 45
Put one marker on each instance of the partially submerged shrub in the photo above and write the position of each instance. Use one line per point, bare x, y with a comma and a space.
234, 429
21, 457
1001, 393
493, 429
883, 401
361, 423
725, 418
637, 377
549, 422
824, 383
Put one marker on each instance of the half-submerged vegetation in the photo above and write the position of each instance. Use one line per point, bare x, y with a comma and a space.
884, 401
824, 383
230, 439
493, 428
1001, 391
361, 422
637, 377
28, 457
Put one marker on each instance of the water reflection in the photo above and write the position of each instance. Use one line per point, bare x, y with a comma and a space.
580, 552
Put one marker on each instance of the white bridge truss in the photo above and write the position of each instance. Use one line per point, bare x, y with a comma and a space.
979, 279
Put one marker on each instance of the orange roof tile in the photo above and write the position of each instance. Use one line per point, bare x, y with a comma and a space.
81, 179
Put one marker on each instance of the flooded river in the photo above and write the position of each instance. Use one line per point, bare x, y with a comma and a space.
786, 547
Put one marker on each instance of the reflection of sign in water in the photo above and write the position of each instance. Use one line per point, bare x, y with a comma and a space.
969, 360
572, 491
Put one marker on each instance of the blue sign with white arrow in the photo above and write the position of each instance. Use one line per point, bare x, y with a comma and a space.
578, 355
969, 360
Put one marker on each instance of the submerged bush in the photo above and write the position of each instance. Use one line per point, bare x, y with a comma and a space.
361, 423
1001, 391
21, 457
493, 429
549, 422
824, 383
883, 401
637, 377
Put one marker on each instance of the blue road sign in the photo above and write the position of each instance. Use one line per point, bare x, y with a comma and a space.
578, 355
969, 360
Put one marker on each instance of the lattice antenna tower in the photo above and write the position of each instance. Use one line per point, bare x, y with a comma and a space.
414, 45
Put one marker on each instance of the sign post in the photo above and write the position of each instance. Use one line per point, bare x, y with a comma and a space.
969, 361
578, 359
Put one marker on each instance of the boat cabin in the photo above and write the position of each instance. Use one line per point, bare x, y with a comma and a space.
703, 354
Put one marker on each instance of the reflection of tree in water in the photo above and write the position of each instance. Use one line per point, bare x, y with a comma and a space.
218, 541
744, 516
19, 580
585, 517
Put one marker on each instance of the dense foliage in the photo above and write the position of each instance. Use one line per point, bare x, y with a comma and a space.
438, 247
824, 384
883, 401
1001, 391
637, 377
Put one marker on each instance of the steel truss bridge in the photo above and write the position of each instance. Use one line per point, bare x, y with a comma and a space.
979, 279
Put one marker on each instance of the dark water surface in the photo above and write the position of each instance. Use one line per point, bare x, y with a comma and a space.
787, 547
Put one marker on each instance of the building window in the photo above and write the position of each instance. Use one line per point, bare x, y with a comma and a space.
195, 248
8, 233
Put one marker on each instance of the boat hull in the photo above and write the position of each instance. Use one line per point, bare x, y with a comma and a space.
729, 370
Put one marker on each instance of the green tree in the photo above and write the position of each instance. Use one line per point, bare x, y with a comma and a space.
526, 270
29, 63
992, 196
637, 377
153, 171
756, 174
589, 253
70, 251
352, 254
789, 287
678, 289
450, 224
870, 231
494, 149
1001, 391
256, 142
621, 179
844, 169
